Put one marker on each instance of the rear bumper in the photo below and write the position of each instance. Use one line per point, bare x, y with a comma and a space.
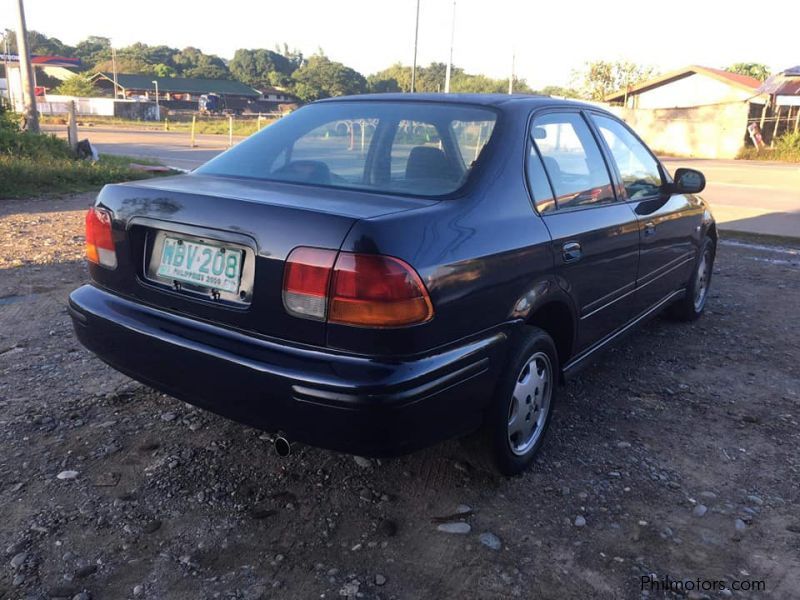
368, 406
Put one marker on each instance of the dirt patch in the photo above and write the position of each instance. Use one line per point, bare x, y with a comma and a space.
676, 456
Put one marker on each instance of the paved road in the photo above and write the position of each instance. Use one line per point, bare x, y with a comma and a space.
752, 196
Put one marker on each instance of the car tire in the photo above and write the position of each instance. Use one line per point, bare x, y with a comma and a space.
520, 412
692, 305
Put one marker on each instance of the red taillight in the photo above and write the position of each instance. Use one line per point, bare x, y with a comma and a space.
367, 290
99, 240
370, 290
306, 281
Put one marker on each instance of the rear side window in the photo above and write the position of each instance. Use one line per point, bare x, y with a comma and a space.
417, 148
637, 167
573, 160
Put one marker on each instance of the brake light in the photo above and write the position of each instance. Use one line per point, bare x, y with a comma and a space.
306, 280
366, 290
371, 290
99, 240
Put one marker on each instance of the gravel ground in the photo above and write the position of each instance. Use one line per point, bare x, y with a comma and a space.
675, 456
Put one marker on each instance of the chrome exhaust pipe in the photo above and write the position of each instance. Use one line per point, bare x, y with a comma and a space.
282, 446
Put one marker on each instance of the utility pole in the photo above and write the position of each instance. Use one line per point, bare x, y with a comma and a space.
158, 108
28, 96
450, 62
511, 79
6, 70
414, 64
114, 69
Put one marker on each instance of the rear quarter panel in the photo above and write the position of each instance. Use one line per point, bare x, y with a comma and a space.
484, 257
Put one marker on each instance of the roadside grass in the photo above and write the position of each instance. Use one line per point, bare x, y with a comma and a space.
37, 164
23, 177
787, 149
242, 126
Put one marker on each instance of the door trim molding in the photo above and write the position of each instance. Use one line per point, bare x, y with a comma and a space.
575, 362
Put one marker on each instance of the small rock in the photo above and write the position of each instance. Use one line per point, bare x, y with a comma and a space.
459, 528
67, 475
387, 527
580, 521
151, 526
82, 596
168, 416
362, 462
380, 579
623, 445
86, 571
755, 500
18, 559
18, 580
349, 589
490, 540
463, 509
62, 591
739, 525
700, 510
708, 495
137, 590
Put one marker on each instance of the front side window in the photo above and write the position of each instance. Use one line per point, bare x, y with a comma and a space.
573, 160
637, 167
424, 149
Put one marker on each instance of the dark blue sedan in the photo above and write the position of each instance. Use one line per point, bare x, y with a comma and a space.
375, 274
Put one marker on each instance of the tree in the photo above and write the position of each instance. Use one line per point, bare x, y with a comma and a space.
396, 78
600, 78
77, 85
559, 91
261, 68
94, 49
321, 77
757, 70
191, 62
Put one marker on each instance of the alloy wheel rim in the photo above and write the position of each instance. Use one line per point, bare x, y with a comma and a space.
530, 404
703, 273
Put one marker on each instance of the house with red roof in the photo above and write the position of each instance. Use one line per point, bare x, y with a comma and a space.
691, 86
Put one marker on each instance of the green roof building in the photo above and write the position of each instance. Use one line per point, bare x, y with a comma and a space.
173, 88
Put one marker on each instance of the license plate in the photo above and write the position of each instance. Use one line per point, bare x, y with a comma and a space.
214, 267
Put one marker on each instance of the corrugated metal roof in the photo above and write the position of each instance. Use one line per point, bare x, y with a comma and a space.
182, 85
785, 83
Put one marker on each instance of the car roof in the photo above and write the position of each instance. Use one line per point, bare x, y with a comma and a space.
494, 100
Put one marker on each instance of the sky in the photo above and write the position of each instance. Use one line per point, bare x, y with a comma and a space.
549, 40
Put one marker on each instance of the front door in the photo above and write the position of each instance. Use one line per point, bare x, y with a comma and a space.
595, 236
669, 224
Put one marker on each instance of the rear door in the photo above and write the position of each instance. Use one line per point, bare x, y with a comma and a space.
668, 224
595, 236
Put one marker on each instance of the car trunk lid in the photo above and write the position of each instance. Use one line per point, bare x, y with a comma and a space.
262, 220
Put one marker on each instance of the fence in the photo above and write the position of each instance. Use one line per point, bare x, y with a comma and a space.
52, 104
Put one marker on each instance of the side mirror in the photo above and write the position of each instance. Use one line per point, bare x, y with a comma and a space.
688, 181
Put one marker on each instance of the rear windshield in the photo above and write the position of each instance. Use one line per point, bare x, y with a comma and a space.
417, 148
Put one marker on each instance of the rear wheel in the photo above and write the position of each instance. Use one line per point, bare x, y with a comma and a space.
691, 306
523, 404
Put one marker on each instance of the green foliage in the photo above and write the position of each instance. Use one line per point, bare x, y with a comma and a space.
600, 78
77, 85
24, 177
432, 79
559, 91
261, 68
787, 148
757, 70
321, 77
33, 164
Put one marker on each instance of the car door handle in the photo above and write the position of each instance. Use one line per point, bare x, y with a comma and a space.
571, 252
649, 229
